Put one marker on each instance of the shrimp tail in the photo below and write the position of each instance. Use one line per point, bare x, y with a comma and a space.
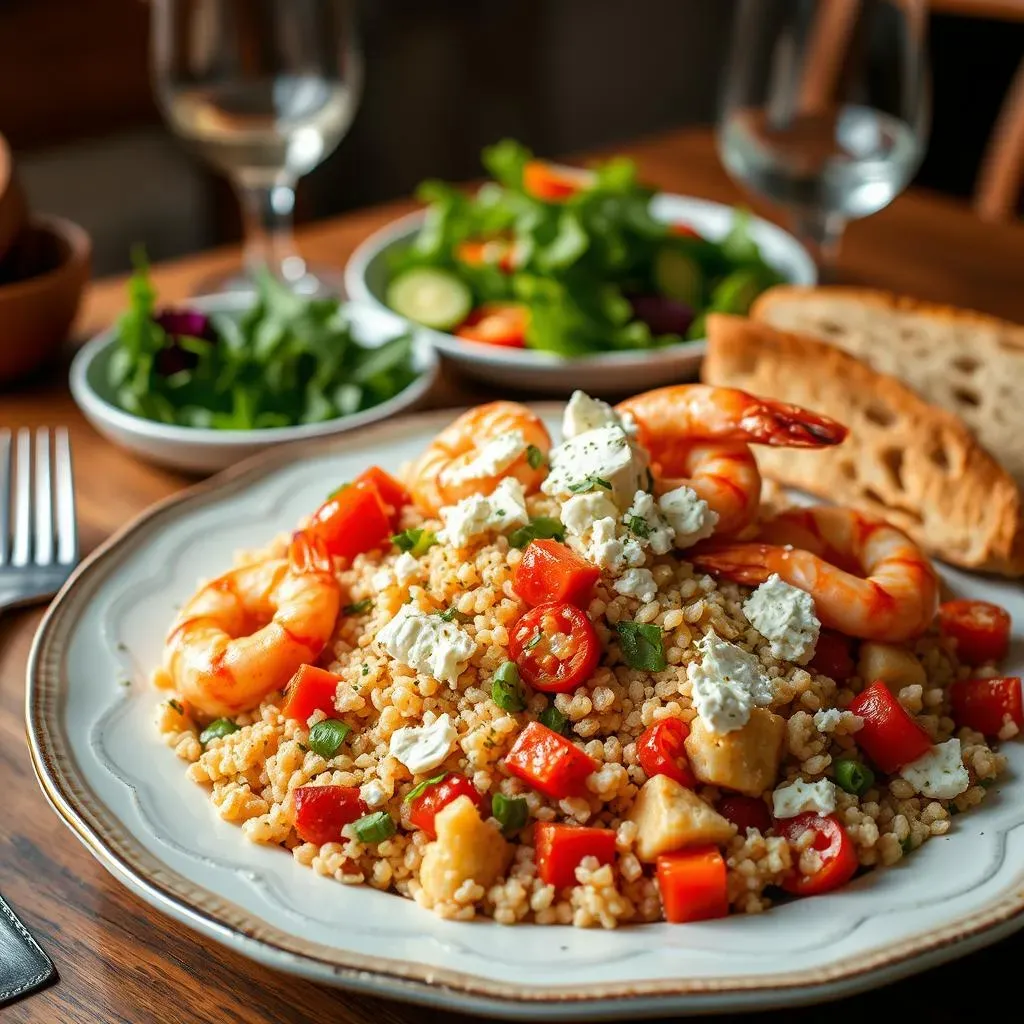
782, 425
308, 553
745, 563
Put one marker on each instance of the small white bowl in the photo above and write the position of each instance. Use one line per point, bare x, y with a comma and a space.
608, 373
203, 450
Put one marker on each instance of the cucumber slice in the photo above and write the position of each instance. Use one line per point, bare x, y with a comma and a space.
677, 276
432, 297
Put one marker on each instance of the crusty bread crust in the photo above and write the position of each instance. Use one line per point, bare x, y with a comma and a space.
906, 459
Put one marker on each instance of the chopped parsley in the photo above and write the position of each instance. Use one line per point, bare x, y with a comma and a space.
177, 707
416, 540
511, 812
534, 640
642, 645
588, 484
539, 528
534, 456
420, 788
359, 608
554, 719
638, 526
454, 615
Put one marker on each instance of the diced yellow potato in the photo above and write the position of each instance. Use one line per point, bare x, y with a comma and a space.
669, 816
894, 665
746, 759
466, 848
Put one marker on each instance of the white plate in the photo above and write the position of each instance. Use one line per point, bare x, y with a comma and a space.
608, 373
126, 796
200, 450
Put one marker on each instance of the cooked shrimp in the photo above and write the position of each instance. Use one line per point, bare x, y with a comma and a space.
866, 577
244, 634
474, 454
698, 436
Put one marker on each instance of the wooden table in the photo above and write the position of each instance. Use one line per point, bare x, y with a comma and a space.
121, 961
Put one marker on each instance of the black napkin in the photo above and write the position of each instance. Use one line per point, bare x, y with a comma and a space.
24, 967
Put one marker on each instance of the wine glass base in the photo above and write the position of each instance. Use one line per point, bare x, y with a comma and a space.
316, 282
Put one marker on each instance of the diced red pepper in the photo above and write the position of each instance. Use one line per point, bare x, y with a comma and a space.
981, 630
547, 665
661, 751
838, 855
321, 812
549, 762
833, 656
392, 491
693, 885
549, 571
496, 323
559, 849
424, 806
310, 689
554, 184
354, 520
986, 705
890, 737
745, 812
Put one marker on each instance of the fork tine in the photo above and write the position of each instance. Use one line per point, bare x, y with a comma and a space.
6, 485
22, 539
67, 529
44, 500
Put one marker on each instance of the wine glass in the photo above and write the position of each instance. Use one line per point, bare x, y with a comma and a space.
825, 108
264, 90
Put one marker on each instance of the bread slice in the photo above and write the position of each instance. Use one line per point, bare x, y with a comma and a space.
905, 459
966, 362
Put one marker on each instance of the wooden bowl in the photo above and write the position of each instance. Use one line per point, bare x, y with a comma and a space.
13, 208
41, 282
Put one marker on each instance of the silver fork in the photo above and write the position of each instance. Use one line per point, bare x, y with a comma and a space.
38, 534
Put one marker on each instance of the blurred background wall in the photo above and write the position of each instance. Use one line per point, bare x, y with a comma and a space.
443, 78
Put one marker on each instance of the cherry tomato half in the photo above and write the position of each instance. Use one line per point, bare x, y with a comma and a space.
554, 647
479, 252
554, 184
745, 812
661, 751
496, 323
836, 853
986, 704
981, 630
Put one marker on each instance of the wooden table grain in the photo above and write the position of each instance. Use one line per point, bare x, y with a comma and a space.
121, 961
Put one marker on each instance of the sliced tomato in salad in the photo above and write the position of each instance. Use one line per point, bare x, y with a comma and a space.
661, 751
354, 520
392, 491
482, 252
559, 850
549, 762
836, 856
981, 630
987, 705
435, 795
554, 184
321, 812
555, 647
496, 323
549, 571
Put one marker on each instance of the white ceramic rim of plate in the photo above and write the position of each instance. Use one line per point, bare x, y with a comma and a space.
404, 227
120, 852
94, 405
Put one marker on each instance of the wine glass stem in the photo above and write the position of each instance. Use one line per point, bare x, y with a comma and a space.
821, 232
267, 229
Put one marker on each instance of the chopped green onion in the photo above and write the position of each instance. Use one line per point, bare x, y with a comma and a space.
217, 730
177, 707
638, 526
454, 615
588, 484
539, 528
506, 688
642, 645
534, 456
534, 640
853, 777
421, 787
374, 828
327, 736
338, 490
359, 608
511, 811
416, 540
554, 719
906, 845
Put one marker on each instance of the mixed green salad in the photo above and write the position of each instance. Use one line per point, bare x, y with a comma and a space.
567, 261
287, 360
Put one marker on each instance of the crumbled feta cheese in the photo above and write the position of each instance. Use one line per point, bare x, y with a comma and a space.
581, 511
726, 684
602, 458
407, 567
426, 643
647, 524
373, 794
491, 460
606, 549
638, 583
799, 796
688, 514
832, 719
939, 774
422, 748
583, 413
382, 579
502, 510
784, 615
